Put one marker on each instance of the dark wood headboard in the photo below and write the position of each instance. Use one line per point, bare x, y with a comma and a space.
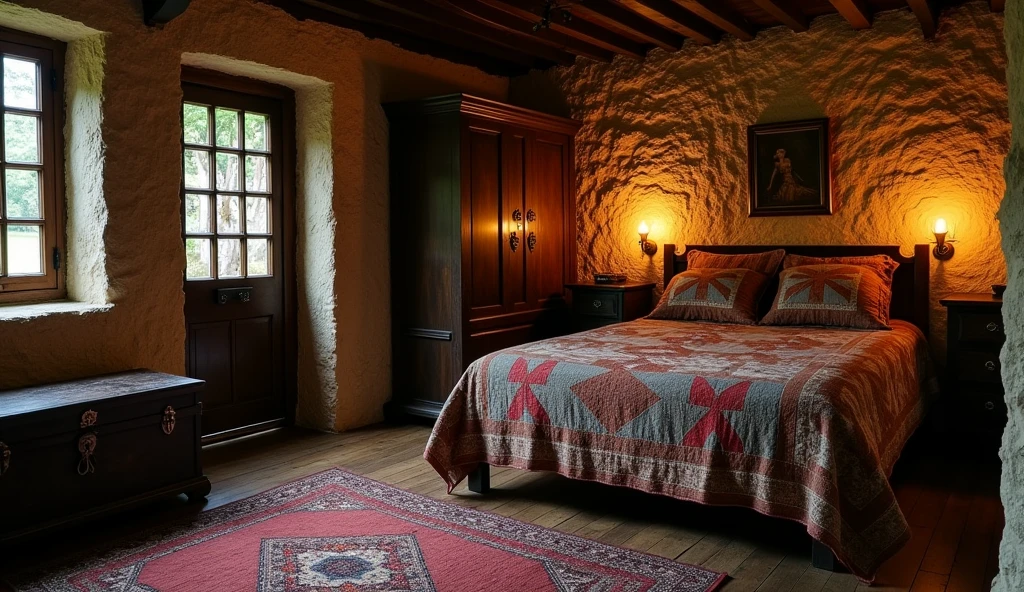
909, 283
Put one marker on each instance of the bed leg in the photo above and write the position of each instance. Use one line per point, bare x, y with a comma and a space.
480, 479
822, 557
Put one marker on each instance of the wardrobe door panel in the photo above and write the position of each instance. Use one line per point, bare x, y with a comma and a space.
547, 198
514, 271
482, 162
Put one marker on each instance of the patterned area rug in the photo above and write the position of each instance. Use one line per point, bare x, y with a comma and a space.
339, 531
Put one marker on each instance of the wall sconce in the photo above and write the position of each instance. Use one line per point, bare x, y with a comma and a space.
649, 247
943, 250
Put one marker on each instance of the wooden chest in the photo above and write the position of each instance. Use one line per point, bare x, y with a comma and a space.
78, 449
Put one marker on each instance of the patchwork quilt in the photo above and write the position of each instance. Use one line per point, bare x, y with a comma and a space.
794, 422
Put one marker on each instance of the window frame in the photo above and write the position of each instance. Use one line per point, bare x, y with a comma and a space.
51, 285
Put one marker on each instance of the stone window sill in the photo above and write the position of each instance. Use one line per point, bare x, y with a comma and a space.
33, 310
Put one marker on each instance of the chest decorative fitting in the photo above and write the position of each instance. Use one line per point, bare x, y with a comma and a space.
89, 419
169, 420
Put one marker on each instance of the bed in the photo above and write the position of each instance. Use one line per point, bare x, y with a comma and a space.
718, 414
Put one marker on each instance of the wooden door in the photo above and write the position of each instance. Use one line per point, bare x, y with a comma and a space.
236, 217
550, 212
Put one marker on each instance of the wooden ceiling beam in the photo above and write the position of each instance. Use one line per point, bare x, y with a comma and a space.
786, 12
612, 15
489, 64
673, 16
926, 15
856, 12
495, 17
577, 27
438, 15
721, 16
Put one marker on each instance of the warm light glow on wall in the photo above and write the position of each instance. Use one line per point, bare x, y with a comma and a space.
940, 226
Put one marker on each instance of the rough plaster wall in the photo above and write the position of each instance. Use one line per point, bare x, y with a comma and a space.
1011, 219
919, 128
144, 257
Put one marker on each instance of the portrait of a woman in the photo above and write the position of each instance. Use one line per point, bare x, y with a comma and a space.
789, 169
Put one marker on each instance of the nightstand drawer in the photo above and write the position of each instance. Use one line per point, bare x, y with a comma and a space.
983, 412
986, 327
597, 304
979, 367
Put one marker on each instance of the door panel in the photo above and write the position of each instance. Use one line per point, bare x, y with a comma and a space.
237, 271
486, 215
547, 198
514, 271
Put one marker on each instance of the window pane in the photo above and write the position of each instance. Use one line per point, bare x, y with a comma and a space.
24, 250
22, 194
197, 169
228, 172
197, 212
227, 127
228, 219
257, 256
21, 138
257, 215
229, 257
196, 122
257, 173
197, 258
257, 132
21, 83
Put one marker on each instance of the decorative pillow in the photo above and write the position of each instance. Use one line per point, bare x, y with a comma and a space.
766, 263
720, 295
883, 265
852, 296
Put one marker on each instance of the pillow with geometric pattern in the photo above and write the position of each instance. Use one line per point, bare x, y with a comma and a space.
851, 296
718, 295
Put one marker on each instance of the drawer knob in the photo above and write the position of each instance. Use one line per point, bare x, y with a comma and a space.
993, 327
87, 448
990, 365
597, 304
989, 405
5, 458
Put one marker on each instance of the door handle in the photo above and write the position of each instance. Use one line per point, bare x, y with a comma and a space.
225, 295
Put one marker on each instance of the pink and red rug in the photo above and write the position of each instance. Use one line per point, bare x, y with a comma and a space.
338, 531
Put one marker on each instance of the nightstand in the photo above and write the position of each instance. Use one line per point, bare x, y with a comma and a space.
973, 389
597, 305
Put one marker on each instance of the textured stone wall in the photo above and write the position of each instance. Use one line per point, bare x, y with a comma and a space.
344, 321
1011, 219
920, 131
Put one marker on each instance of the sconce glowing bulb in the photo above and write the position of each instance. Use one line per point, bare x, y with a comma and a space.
943, 250
649, 247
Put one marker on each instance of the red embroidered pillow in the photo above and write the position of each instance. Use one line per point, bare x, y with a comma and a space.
766, 263
720, 295
832, 295
883, 265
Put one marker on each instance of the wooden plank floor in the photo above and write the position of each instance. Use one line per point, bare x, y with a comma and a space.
953, 508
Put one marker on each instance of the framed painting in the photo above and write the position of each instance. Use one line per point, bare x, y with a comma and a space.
790, 169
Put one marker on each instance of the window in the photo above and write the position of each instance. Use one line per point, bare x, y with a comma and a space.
228, 190
31, 210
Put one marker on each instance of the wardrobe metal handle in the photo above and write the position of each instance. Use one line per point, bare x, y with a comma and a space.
531, 240
513, 242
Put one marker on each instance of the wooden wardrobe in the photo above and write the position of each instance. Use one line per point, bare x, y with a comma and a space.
483, 237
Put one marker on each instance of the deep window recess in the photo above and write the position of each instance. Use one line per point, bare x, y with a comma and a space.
31, 154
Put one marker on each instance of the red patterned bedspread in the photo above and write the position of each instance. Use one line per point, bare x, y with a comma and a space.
795, 422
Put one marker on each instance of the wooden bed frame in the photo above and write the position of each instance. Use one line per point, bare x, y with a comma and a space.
910, 302
909, 283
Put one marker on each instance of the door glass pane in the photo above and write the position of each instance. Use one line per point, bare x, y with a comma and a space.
257, 173
21, 138
257, 215
257, 132
197, 212
196, 121
228, 218
228, 172
227, 127
229, 257
197, 169
24, 250
22, 188
258, 256
21, 83
197, 258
